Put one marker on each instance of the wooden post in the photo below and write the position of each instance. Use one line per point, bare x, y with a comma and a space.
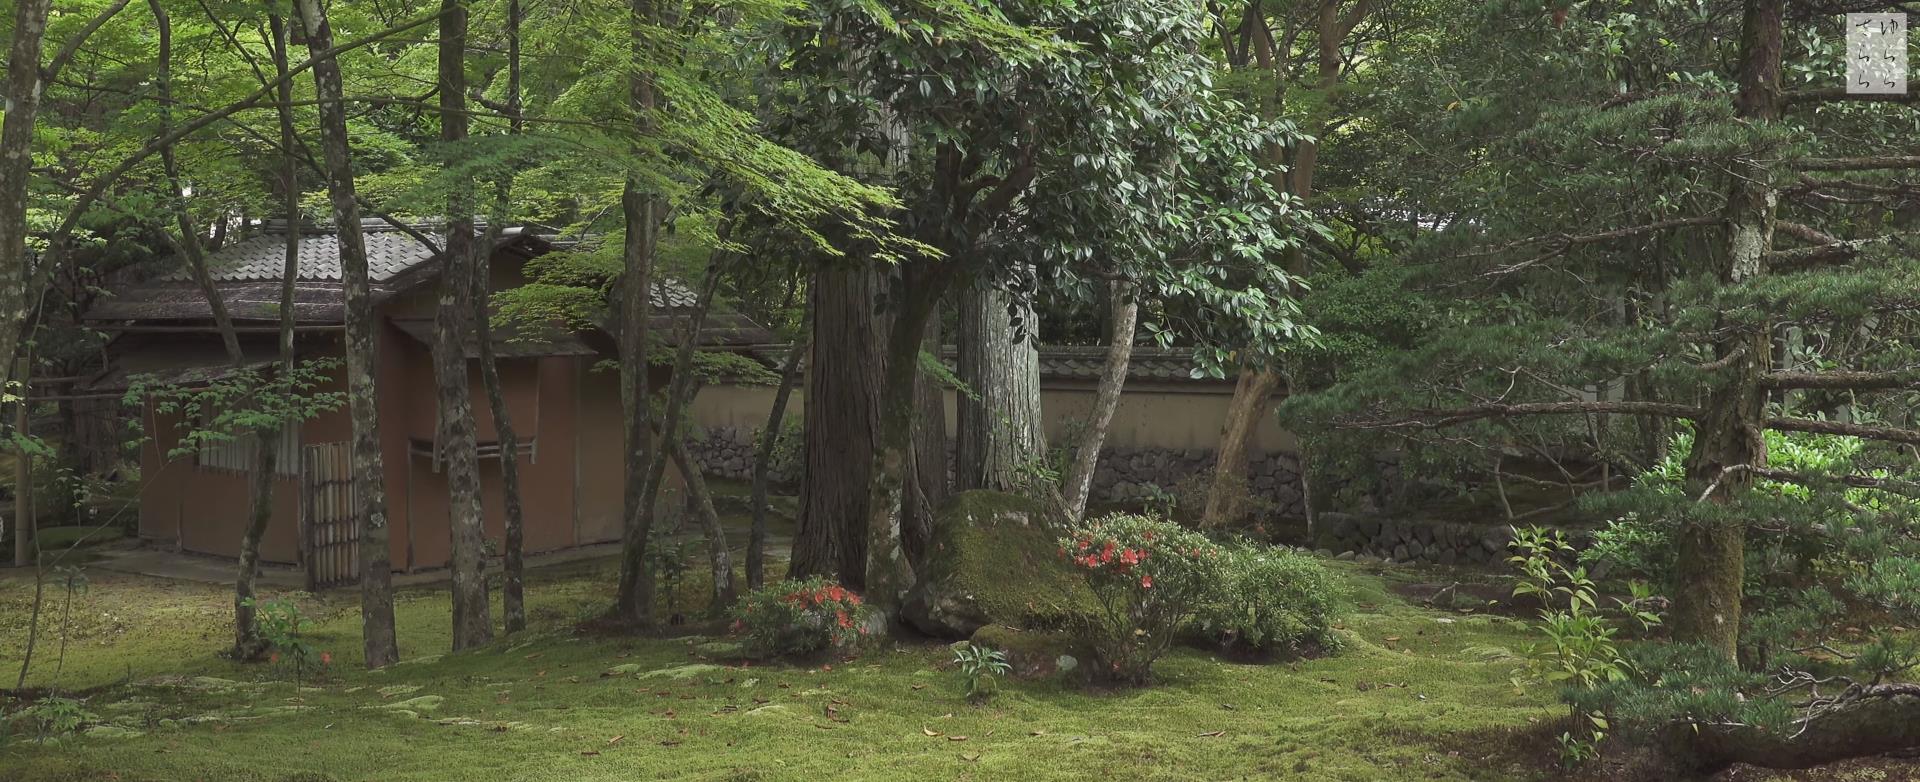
22, 480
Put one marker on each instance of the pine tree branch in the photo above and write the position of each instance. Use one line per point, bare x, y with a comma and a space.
1840, 94
1891, 485
1864, 431
1849, 381
1856, 163
1832, 252
1436, 419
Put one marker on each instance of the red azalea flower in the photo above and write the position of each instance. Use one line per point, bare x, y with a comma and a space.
326, 658
1146, 582
273, 658
845, 622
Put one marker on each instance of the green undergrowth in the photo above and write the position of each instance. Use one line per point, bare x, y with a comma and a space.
1419, 694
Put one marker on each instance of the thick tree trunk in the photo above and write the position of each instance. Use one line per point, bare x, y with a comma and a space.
889, 573
370, 497
452, 327
1077, 483
720, 561
642, 212
16, 167
763, 463
1001, 436
842, 419
1251, 396
1727, 442
927, 487
513, 593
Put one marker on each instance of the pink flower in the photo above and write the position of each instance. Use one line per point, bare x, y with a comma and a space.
326, 658
1146, 582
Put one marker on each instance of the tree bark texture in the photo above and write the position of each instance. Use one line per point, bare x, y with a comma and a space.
513, 592
1728, 440
842, 426
642, 211
1226, 495
1001, 436
452, 327
928, 484
1077, 483
369, 489
16, 168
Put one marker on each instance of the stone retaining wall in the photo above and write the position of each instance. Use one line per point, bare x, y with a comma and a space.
1419, 542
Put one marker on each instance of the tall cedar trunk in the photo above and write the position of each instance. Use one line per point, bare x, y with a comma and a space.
247, 642
889, 574
452, 328
513, 593
1226, 495
725, 592
370, 495
763, 463
928, 471
1001, 434
1077, 484
1727, 441
16, 164
642, 212
842, 420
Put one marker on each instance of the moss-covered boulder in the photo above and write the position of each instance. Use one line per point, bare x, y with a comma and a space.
1035, 654
994, 560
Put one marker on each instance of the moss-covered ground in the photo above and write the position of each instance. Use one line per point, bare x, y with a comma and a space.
1419, 694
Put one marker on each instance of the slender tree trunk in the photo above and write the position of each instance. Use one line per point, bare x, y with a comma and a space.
842, 419
16, 168
763, 463
1727, 443
513, 600
1251, 396
1077, 484
452, 327
725, 592
643, 212
1001, 434
889, 574
247, 641
370, 496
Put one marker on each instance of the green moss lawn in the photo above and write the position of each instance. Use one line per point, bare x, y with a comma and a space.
1419, 694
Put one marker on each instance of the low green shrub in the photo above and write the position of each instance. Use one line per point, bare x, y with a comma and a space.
284, 629
1272, 601
1148, 577
793, 618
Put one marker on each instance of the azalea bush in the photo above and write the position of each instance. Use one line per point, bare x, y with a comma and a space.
1272, 601
800, 617
1148, 577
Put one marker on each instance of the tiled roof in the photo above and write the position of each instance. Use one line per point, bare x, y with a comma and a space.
247, 275
390, 253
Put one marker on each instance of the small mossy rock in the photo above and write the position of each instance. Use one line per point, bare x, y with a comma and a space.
994, 560
720, 650
1033, 654
627, 669
113, 732
416, 704
682, 671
